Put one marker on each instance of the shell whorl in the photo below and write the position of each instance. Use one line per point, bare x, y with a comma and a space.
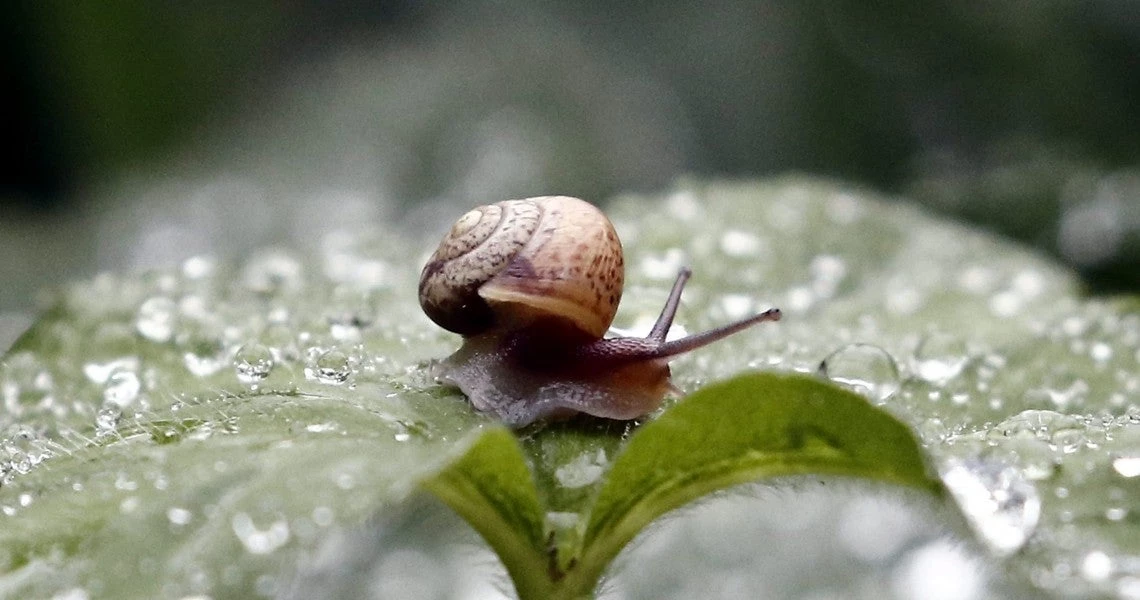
510, 263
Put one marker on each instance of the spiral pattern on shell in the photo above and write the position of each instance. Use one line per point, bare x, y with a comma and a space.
510, 263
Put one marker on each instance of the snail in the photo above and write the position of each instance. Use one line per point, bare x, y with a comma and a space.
532, 286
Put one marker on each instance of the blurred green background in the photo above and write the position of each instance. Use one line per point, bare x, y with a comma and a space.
145, 132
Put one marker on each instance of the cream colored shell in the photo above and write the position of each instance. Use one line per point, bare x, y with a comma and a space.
509, 263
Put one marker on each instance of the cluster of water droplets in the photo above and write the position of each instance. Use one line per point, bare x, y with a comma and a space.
122, 352
179, 356
1026, 400
1017, 390
21, 450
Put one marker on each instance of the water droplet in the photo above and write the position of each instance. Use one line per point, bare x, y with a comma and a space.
664, 266
1069, 440
252, 363
107, 419
129, 504
260, 541
738, 243
156, 319
1037, 459
345, 481
26, 384
684, 205
978, 279
1128, 588
1096, 566
1037, 424
1005, 304
1127, 466
325, 427
940, 357
348, 326
125, 483
939, 570
865, 368
799, 299
827, 272
122, 388
331, 368
99, 373
904, 299
178, 516
205, 354
933, 431
345, 262
323, 516
737, 306
1002, 507
22, 450
584, 470
1101, 352
1075, 325
273, 271
1115, 513
198, 267
72, 594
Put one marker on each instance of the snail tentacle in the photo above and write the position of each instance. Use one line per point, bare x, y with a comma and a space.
665, 320
654, 346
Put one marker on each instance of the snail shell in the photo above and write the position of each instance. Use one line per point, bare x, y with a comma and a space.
532, 286
510, 263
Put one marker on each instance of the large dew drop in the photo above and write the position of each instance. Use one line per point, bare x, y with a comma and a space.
122, 388
939, 358
1002, 507
252, 363
1127, 466
330, 368
865, 368
205, 354
156, 319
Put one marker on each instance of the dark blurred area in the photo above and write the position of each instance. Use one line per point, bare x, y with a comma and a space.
140, 132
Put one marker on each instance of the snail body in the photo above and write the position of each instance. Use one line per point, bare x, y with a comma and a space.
532, 286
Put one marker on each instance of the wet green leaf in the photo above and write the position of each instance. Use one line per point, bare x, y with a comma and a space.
492, 488
215, 428
748, 428
751, 428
